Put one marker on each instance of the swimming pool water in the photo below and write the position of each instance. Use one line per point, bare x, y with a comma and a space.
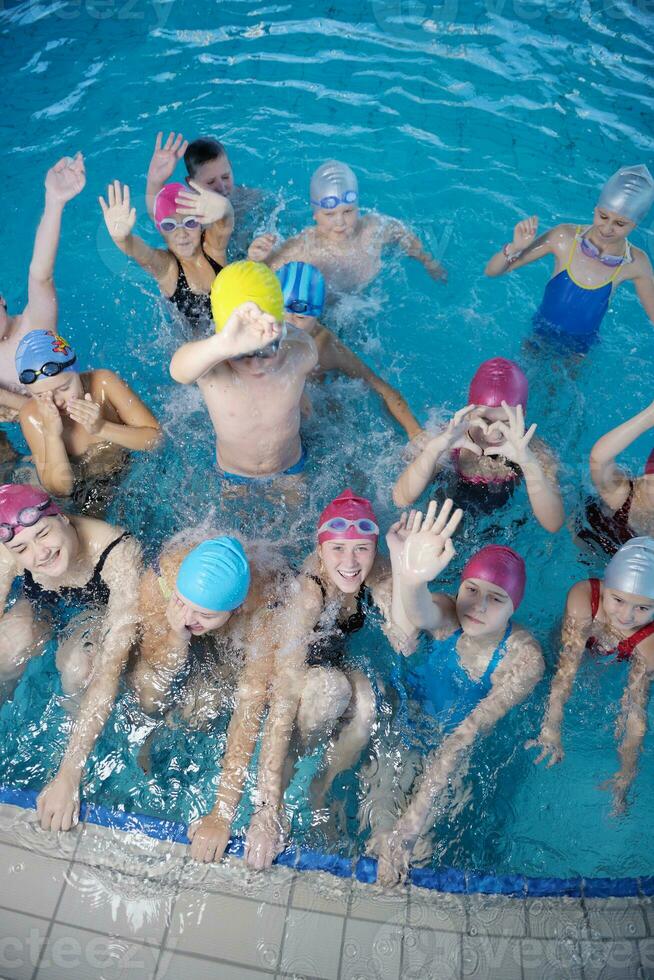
458, 118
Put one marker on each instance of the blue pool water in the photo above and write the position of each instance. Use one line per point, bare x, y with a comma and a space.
460, 119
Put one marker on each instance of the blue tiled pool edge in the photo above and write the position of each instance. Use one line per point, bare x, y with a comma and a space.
364, 869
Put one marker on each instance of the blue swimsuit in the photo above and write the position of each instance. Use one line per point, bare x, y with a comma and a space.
571, 313
441, 683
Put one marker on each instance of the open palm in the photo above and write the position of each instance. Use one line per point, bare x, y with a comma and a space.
428, 548
119, 216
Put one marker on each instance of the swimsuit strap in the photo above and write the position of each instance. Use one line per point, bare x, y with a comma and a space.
627, 646
594, 596
107, 551
319, 583
216, 266
572, 248
500, 650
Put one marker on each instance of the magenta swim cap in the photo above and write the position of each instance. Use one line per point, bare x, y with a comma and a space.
502, 566
23, 501
164, 202
497, 381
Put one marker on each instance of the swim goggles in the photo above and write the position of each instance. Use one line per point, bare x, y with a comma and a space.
169, 224
27, 517
592, 251
302, 308
49, 370
332, 201
264, 353
338, 525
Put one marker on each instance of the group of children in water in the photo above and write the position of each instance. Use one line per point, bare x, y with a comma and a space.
257, 338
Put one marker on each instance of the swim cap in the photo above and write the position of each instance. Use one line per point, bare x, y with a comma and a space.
21, 498
632, 568
164, 203
502, 566
333, 183
303, 288
215, 575
629, 192
348, 507
41, 347
497, 381
243, 282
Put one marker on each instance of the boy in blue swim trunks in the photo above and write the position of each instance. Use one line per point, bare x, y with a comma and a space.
251, 373
590, 261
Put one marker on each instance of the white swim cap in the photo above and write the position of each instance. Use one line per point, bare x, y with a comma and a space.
632, 568
333, 183
629, 192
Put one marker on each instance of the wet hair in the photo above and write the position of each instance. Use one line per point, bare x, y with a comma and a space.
201, 151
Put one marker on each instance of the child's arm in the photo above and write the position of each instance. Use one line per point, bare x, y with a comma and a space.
63, 182
247, 330
335, 356
398, 234
524, 248
138, 429
120, 218
610, 480
11, 399
43, 429
632, 724
267, 248
419, 474
162, 165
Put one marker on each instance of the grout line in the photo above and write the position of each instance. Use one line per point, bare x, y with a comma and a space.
343, 931
278, 961
64, 885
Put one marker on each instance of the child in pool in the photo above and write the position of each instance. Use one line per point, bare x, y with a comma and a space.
345, 246
77, 426
303, 287
207, 165
589, 262
84, 575
63, 182
480, 664
614, 621
490, 449
196, 226
630, 498
211, 591
251, 374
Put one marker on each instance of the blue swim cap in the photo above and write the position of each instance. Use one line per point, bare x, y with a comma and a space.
42, 353
303, 287
215, 575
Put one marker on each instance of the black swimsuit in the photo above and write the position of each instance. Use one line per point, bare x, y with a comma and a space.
95, 591
610, 533
194, 306
328, 650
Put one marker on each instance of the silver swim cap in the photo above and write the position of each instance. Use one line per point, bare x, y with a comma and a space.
632, 568
333, 183
629, 192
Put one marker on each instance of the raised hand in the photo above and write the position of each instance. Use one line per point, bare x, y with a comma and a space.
398, 533
49, 414
456, 432
549, 742
87, 413
176, 616
66, 179
516, 441
209, 837
207, 206
119, 216
261, 247
249, 329
524, 233
428, 548
165, 158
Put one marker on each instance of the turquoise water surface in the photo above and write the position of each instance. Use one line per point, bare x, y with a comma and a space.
459, 119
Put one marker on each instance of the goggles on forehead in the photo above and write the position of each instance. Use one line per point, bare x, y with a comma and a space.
338, 525
27, 517
332, 200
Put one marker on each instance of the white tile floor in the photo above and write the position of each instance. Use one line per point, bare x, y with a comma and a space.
102, 904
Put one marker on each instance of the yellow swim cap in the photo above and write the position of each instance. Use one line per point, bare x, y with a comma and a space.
243, 282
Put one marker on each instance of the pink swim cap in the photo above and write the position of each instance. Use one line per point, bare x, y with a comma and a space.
502, 566
649, 465
164, 202
22, 499
497, 381
343, 509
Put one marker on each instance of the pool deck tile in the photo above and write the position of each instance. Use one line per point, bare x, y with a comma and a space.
233, 877
371, 950
437, 910
431, 955
312, 944
647, 905
646, 950
20, 828
224, 927
132, 852
615, 918
23, 937
30, 882
376, 905
82, 953
556, 918
491, 958
550, 959
611, 960
495, 915
183, 966
321, 892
